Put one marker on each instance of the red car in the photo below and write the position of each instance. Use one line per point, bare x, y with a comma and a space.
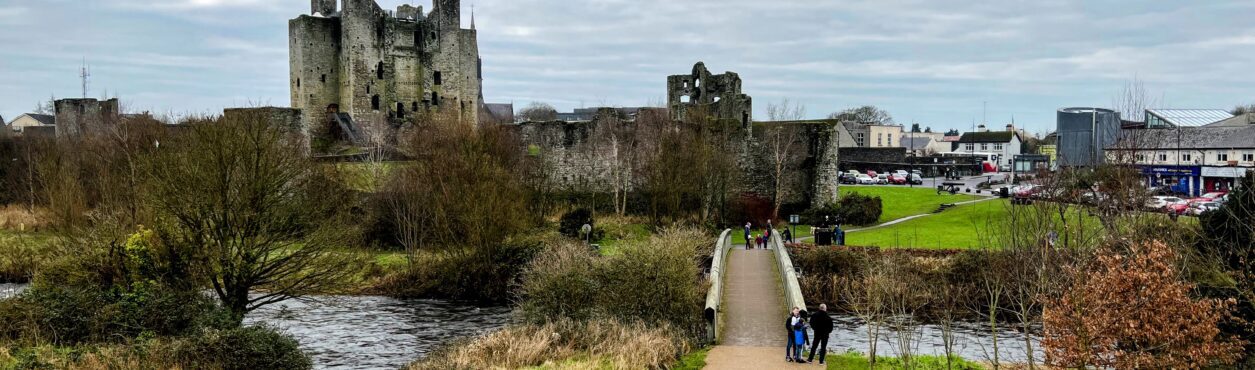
872, 174
1178, 208
897, 179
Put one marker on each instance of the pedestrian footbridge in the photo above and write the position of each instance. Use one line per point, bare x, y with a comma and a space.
751, 294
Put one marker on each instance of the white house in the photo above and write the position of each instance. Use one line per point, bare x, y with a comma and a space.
1204, 159
1003, 145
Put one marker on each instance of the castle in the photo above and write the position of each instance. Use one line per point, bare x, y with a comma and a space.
361, 63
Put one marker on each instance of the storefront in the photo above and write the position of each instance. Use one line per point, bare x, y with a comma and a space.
1186, 179
1222, 178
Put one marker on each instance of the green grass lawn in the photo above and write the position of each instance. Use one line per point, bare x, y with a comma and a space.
963, 227
899, 202
618, 233
858, 361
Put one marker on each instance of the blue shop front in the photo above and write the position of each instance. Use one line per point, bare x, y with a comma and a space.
1184, 179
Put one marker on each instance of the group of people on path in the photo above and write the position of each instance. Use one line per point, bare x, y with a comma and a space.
798, 338
762, 240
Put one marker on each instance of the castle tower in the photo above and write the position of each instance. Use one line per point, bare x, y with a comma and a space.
324, 7
448, 13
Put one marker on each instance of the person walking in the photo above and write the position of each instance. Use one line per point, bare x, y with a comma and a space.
748, 233
821, 323
794, 318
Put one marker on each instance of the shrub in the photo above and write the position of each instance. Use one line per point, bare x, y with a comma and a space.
652, 281
71, 315
477, 274
571, 223
853, 209
252, 347
601, 345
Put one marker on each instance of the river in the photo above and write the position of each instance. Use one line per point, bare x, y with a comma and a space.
366, 332
971, 341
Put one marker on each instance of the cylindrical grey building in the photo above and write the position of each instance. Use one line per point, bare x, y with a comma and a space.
1083, 133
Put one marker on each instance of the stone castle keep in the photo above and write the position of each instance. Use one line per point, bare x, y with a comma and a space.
361, 63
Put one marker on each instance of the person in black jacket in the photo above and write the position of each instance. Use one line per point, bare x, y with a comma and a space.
821, 323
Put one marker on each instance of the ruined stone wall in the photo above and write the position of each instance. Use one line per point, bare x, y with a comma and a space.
77, 117
717, 95
578, 155
811, 164
383, 67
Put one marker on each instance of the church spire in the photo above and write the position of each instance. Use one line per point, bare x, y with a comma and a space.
472, 16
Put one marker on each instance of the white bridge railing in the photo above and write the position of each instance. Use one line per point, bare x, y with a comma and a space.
718, 267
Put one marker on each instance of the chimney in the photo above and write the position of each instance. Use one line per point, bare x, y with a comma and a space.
1010, 128
981, 128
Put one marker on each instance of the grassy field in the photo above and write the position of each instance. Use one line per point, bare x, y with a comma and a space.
963, 227
899, 202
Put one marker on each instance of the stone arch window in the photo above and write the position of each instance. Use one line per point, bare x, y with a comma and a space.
438, 78
400, 110
323, 79
368, 88
333, 108
374, 102
414, 106
298, 82
379, 70
435, 98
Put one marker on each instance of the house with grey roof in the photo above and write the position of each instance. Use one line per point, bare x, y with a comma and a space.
1001, 146
1206, 158
24, 121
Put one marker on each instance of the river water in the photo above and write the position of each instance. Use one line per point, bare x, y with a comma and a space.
365, 332
971, 341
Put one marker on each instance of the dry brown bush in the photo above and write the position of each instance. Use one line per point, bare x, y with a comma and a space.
608, 344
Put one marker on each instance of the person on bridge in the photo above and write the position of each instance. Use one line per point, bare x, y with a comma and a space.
748, 232
821, 323
795, 326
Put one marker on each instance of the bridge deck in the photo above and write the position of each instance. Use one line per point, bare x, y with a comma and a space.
754, 312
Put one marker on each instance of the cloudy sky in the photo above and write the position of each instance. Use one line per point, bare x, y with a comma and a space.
935, 62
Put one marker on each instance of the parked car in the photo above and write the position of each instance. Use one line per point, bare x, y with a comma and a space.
916, 179
897, 179
863, 179
882, 179
846, 178
1024, 194
1160, 203
873, 174
901, 172
1204, 207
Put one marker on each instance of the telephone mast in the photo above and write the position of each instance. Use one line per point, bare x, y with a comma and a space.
84, 74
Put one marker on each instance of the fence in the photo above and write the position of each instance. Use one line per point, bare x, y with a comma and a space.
788, 275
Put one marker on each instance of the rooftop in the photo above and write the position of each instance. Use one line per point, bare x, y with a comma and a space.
1190, 117
1239, 137
988, 137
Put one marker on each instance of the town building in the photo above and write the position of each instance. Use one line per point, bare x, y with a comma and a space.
922, 144
361, 65
875, 135
1202, 159
1083, 133
999, 146
22, 122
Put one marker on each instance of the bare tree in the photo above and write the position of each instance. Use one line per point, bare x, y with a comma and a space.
867, 114
538, 112
864, 295
258, 216
1133, 100
783, 140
